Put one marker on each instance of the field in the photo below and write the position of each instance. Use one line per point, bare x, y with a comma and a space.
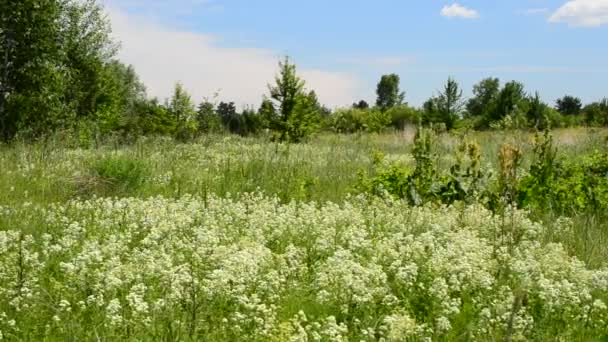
231, 238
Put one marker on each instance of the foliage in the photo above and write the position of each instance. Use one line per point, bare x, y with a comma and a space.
31, 85
181, 108
156, 119
388, 93
114, 175
403, 116
229, 117
352, 120
569, 105
208, 120
564, 187
362, 104
54, 62
597, 113
465, 180
298, 111
485, 94
510, 98
517, 119
449, 104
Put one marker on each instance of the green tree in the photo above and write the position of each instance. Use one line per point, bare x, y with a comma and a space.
155, 118
450, 103
388, 93
182, 110
510, 98
120, 100
484, 98
361, 105
31, 84
53, 59
267, 112
230, 118
431, 110
538, 112
88, 50
569, 105
596, 113
298, 111
252, 122
207, 118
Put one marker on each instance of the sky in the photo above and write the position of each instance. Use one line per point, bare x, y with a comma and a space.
228, 50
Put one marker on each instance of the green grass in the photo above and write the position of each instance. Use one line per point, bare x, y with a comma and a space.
325, 169
50, 191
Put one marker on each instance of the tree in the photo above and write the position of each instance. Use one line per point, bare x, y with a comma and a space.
298, 112
596, 113
207, 118
450, 103
230, 118
322, 111
155, 118
509, 99
30, 84
119, 104
569, 105
431, 110
538, 112
361, 105
53, 59
267, 112
388, 92
182, 110
88, 50
484, 98
252, 122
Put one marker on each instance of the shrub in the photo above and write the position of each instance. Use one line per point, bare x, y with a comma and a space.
402, 116
465, 180
114, 175
354, 120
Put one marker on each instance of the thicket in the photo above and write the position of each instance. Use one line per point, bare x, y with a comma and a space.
561, 186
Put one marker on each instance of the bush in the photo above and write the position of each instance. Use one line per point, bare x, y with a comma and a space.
402, 116
114, 175
354, 120
465, 180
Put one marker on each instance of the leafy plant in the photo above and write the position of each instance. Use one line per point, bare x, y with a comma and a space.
465, 180
114, 175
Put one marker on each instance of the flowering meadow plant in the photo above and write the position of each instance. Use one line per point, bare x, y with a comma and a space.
251, 268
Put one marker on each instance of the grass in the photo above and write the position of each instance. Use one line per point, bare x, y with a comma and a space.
53, 191
325, 169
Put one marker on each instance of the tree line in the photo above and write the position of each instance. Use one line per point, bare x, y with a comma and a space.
59, 73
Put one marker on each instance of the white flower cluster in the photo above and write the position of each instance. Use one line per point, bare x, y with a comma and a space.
254, 269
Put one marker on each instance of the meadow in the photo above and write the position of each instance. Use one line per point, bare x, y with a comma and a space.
240, 239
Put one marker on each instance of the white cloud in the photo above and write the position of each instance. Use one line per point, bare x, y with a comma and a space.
588, 13
458, 11
163, 55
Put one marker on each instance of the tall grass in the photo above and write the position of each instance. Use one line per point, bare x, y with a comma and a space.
52, 190
325, 169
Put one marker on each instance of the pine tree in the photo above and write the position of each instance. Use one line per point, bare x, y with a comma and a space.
298, 111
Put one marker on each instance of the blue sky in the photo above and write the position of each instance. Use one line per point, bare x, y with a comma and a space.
342, 47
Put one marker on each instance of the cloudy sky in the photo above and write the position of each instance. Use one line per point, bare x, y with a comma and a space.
342, 47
